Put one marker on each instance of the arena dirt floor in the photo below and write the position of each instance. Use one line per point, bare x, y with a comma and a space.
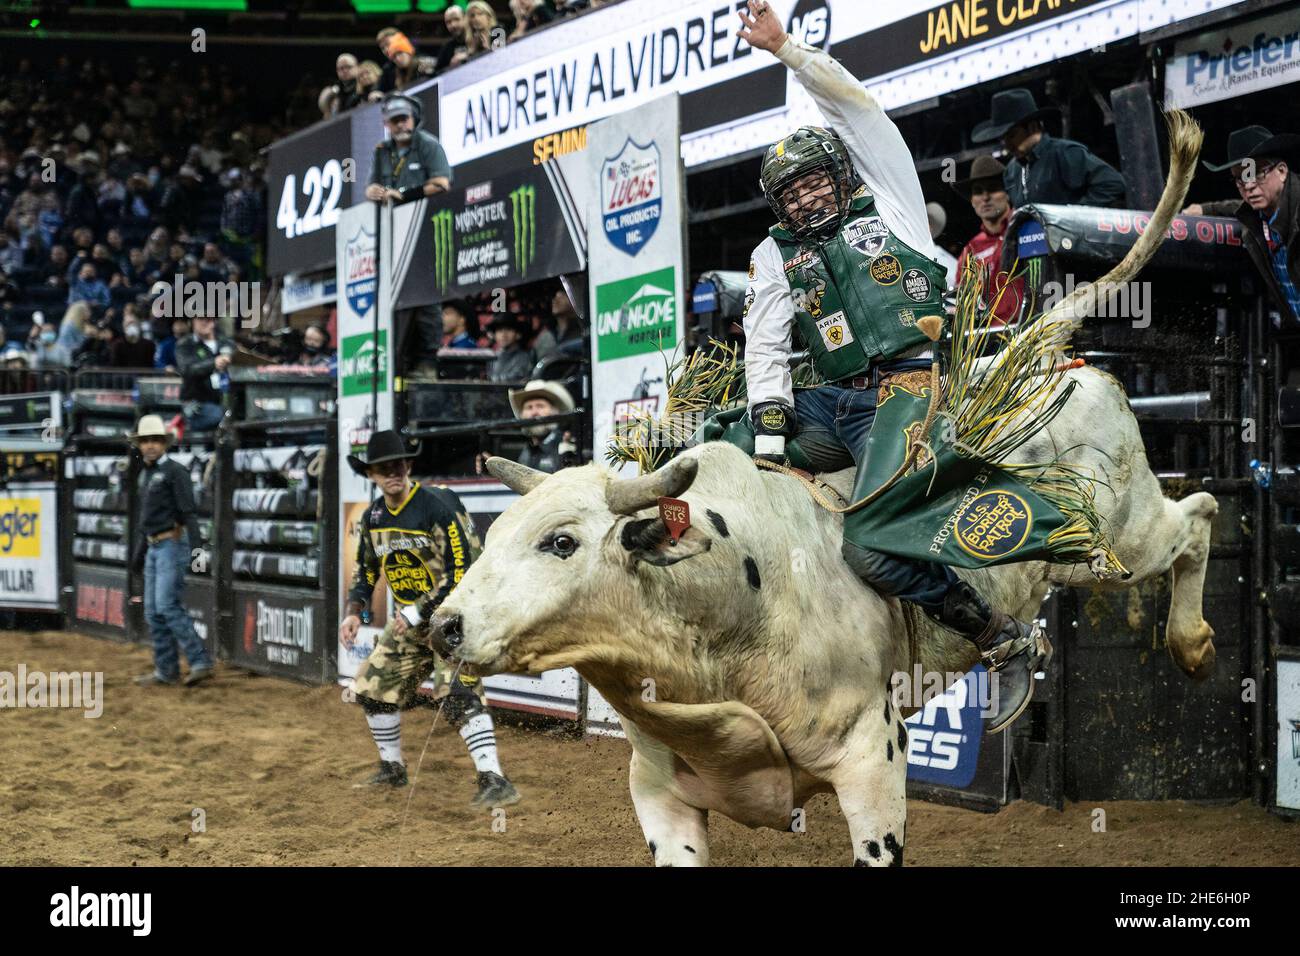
272, 765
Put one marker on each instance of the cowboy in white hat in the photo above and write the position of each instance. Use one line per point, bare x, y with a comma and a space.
167, 528
550, 447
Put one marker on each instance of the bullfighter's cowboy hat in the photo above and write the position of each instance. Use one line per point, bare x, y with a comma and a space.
1256, 142
1009, 108
984, 168
383, 446
151, 426
553, 392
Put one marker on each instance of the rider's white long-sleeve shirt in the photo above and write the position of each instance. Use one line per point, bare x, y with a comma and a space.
885, 166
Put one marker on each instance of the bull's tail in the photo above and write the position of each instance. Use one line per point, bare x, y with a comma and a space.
1065, 317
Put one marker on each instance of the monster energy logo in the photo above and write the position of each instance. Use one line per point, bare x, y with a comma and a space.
523, 213
442, 249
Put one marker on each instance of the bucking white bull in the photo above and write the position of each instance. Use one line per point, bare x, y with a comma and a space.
749, 665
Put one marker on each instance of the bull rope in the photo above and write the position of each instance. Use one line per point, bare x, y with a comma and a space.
410, 793
912, 454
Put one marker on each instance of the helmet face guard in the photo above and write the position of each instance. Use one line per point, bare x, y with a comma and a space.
808, 180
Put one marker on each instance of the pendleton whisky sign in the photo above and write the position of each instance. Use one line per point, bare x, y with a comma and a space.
501, 232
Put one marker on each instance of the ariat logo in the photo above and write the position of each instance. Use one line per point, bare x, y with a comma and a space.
995, 525
834, 331
443, 248
886, 269
523, 214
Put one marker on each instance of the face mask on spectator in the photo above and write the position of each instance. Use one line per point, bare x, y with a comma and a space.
49, 336
132, 333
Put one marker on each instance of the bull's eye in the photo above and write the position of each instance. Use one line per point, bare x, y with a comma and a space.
560, 545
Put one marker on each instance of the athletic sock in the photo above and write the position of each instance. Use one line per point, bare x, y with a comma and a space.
482, 743
387, 731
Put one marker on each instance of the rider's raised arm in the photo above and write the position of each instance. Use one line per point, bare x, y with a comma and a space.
769, 317
879, 152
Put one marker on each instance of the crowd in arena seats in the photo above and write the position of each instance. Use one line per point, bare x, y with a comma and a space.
471, 29
534, 325
114, 177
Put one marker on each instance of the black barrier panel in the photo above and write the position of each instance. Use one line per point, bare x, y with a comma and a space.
201, 603
99, 603
279, 631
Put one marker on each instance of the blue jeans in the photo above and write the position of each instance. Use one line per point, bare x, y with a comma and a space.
834, 424
165, 565
206, 418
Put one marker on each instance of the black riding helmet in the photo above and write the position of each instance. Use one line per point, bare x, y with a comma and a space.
808, 149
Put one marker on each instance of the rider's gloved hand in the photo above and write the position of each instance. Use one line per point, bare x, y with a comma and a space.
773, 423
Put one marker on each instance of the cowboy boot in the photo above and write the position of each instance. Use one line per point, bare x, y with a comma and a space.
1014, 650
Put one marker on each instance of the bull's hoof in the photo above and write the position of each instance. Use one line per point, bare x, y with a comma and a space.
1194, 654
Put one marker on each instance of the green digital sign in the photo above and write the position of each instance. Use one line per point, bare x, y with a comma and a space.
238, 5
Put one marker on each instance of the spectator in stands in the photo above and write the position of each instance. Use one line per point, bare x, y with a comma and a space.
566, 334
454, 52
213, 266
409, 67
341, 96
315, 348
132, 350
988, 197
11, 253
43, 346
369, 76
54, 271
459, 325
74, 326
83, 201
938, 218
37, 199
550, 447
164, 356
1045, 169
167, 527
137, 211
1260, 165
203, 360
411, 163
482, 31
529, 15
514, 361
177, 207
381, 40
88, 287
241, 212
96, 349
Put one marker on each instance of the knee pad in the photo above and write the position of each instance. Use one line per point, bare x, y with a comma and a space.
375, 706
462, 703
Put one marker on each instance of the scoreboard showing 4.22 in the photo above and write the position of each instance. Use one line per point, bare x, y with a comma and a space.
311, 179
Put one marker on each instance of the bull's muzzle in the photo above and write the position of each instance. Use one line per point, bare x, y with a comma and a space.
445, 634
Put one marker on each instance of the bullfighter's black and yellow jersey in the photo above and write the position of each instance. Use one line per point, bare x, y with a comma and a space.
423, 548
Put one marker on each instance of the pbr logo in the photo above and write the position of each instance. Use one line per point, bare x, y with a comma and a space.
631, 197
943, 737
359, 270
867, 235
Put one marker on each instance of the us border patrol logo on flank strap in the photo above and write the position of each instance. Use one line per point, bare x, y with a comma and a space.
835, 331
995, 525
886, 269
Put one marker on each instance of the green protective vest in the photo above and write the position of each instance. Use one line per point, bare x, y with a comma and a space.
857, 296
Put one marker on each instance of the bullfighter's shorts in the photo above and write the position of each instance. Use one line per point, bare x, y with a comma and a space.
399, 664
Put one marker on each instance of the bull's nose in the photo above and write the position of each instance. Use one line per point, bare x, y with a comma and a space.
447, 634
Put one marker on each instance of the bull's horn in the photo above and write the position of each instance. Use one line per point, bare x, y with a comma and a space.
516, 477
633, 494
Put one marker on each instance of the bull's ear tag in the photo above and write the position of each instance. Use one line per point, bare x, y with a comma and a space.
676, 516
